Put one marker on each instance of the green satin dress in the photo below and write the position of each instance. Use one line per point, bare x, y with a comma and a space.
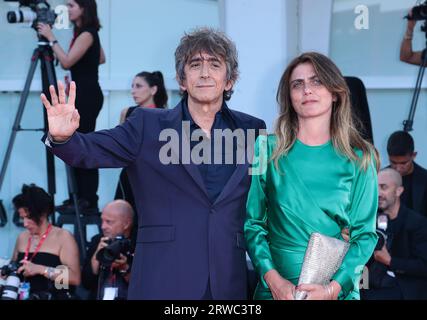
315, 190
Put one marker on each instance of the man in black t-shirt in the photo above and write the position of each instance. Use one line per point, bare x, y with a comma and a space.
105, 270
401, 154
399, 267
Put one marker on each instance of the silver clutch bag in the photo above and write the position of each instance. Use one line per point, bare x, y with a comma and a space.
322, 259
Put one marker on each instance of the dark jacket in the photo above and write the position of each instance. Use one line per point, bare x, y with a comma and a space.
419, 189
91, 281
183, 238
408, 255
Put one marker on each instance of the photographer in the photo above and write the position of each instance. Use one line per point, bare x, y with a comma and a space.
399, 270
46, 254
112, 271
406, 53
83, 60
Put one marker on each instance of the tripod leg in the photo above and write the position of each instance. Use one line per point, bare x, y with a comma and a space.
19, 113
48, 78
73, 190
48, 73
407, 124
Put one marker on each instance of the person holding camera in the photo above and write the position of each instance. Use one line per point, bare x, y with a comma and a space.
406, 53
399, 268
48, 256
107, 267
83, 59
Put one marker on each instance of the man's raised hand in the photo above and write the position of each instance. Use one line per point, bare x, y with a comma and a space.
63, 118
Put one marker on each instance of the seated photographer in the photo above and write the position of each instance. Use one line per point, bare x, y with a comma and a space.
48, 255
108, 258
399, 267
406, 53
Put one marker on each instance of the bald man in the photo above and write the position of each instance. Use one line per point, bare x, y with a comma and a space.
399, 270
117, 220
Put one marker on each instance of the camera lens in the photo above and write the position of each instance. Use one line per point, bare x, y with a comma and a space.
14, 16
19, 16
11, 287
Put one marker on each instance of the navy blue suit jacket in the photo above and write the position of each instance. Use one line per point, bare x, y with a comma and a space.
183, 239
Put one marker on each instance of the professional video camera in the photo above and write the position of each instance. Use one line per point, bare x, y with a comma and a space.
10, 288
118, 245
419, 12
37, 11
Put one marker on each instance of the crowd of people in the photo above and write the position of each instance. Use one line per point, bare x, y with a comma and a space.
183, 220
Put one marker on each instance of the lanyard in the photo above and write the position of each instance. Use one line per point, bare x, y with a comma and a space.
43, 238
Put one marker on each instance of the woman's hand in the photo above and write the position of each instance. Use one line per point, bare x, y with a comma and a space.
29, 269
280, 288
46, 31
321, 292
345, 234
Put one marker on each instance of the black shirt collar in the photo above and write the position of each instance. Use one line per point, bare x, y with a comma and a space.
224, 112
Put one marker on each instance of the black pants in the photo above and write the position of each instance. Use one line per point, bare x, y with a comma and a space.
388, 289
381, 294
89, 100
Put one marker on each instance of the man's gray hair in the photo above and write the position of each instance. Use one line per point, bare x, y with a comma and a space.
212, 42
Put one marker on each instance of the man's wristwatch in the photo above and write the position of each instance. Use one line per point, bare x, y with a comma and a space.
52, 43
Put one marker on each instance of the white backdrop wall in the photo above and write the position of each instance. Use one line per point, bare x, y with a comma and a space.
372, 54
142, 35
136, 35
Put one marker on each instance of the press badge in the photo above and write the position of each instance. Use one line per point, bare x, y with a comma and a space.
24, 291
110, 293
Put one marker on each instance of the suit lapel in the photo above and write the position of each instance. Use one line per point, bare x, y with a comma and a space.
242, 166
236, 177
173, 120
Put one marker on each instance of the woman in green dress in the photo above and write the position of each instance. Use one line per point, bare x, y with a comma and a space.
315, 174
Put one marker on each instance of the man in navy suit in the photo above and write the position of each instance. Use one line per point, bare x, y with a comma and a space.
190, 181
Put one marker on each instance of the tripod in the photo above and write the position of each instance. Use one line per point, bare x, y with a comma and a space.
43, 52
407, 124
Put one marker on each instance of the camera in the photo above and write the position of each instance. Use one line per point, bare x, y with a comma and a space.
10, 288
118, 245
419, 12
36, 11
10, 268
382, 223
